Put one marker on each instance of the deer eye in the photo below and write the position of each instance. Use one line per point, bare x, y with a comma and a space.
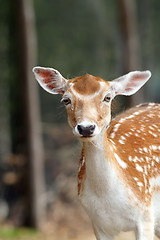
66, 101
107, 98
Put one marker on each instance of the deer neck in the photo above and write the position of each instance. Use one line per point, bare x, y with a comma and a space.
99, 169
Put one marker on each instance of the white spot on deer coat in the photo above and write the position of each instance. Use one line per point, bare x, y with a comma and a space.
139, 168
120, 161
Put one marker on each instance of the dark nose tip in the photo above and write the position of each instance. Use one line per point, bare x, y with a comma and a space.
86, 131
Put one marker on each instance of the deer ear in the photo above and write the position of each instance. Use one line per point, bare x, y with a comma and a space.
50, 79
130, 83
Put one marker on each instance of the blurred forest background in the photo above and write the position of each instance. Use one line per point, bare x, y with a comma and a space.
38, 154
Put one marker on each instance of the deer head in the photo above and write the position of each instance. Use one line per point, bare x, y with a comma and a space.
88, 98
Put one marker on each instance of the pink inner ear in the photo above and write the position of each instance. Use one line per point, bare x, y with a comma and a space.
139, 77
44, 72
128, 89
51, 80
51, 85
46, 75
48, 80
132, 84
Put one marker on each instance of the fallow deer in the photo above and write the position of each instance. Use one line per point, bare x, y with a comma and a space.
119, 167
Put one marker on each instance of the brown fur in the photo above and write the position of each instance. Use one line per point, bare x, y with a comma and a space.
81, 173
151, 168
86, 84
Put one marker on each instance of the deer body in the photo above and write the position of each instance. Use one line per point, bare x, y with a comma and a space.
116, 193
119, 168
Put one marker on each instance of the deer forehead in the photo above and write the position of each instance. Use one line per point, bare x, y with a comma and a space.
88, 86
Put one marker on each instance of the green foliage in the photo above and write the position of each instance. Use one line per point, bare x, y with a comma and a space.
74, 36
84, 36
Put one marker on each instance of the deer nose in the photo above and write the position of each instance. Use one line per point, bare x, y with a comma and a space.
86, 131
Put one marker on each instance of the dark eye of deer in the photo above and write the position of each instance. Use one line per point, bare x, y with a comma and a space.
107, 98
66, 101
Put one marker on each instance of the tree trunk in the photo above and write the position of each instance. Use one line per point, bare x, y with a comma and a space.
130, 43
35, 174
5, 135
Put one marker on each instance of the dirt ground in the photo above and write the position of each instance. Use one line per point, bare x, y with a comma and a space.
87, 235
